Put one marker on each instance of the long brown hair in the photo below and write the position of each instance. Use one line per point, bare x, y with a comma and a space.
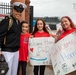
36, 29
71, 22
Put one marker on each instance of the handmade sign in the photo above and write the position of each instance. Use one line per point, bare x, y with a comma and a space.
63, 55
39, 50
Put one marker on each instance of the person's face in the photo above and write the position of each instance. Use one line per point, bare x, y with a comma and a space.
25, 27
65, 23
40, 25
16, 14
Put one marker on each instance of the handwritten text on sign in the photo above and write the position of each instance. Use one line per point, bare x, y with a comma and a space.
39, 50
63, 55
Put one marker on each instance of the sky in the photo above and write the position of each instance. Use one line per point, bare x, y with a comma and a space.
8, 1
53, 8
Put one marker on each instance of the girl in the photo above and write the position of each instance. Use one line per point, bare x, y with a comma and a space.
23, 50
40, 31
68, 28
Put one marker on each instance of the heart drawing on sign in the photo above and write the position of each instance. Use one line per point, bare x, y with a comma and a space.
31, 49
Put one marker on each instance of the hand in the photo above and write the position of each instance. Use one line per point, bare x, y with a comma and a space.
0, 52
54, 36
31, 36
28, 59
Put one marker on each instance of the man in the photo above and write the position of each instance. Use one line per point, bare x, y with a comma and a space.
9, 39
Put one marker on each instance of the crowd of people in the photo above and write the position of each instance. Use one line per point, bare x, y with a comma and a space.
14, 42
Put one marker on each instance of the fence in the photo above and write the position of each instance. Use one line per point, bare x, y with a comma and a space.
5, 8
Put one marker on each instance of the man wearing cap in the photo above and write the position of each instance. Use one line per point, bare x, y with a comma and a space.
9, 39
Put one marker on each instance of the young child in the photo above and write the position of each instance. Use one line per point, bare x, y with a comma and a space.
40, 31
23, 50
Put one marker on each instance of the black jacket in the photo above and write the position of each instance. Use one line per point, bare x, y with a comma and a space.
12, 35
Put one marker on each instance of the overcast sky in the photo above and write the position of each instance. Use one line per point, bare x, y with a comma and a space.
5, 1
52, 8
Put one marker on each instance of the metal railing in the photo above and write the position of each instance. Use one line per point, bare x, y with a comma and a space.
5, 8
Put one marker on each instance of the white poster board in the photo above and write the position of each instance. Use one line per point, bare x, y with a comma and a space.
39, 50
63, 55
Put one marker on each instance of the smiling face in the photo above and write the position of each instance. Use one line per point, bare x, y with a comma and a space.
40, 25
65, 24
16, 14
25, 28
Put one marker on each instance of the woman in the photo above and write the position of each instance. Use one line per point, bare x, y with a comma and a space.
68, 27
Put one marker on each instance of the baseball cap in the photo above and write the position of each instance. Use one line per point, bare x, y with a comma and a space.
18, 6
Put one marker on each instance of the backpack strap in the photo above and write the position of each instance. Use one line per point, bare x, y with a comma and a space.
10, 22
9, 26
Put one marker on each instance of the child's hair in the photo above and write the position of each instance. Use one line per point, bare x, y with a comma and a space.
24, 22
36, 29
